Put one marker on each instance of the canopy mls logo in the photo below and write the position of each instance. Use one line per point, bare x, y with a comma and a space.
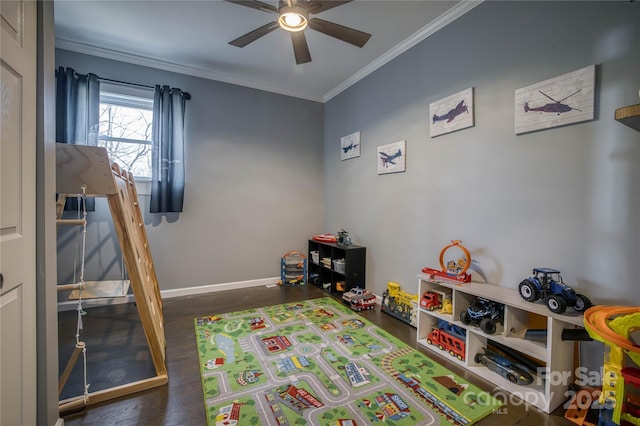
582, 376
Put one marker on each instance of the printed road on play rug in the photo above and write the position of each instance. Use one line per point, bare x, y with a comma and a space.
317, 362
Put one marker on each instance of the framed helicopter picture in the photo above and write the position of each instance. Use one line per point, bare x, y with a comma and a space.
559, 101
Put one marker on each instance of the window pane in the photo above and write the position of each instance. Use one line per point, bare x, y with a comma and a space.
133, 157
125, 122
135, 126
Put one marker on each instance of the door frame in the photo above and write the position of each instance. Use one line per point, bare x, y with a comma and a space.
46, 255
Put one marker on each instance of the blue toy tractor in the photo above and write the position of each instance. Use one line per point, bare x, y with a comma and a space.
546, 284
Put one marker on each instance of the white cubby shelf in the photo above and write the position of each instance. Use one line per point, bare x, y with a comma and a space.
553, 353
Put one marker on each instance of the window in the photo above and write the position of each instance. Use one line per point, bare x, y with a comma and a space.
126, 123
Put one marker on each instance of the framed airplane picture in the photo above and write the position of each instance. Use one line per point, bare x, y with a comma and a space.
391, 158
350, 146
452, 113
562, 100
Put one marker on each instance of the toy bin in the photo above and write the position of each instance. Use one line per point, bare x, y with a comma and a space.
338, 265
315, 256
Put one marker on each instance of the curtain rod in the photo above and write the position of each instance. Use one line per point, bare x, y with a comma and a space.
187, 95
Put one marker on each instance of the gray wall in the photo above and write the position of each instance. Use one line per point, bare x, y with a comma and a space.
254, 184
566, 198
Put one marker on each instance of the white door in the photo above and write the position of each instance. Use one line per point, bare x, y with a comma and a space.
17, 212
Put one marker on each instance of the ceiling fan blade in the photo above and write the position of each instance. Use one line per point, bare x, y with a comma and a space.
254, 4
313, 6
252, 36
300, 47
346, 34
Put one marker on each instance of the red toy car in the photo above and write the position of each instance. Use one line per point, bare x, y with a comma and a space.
431, 301
367, 301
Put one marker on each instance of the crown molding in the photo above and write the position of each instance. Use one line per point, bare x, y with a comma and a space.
443, 20
101, 52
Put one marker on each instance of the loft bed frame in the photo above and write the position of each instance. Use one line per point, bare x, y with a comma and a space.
87, 171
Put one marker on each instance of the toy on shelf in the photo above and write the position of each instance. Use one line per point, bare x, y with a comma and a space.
453, 270
366, 301
484, 313
535, 334
344, 240
325, 238
513, 372
314, 278
448, 338
326, 262
399, 304
620, 396
546, 284
431, 301
447, 307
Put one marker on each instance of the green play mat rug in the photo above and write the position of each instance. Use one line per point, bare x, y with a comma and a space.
317, 362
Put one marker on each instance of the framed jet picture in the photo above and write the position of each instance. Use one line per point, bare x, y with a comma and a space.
452, 113
350, 146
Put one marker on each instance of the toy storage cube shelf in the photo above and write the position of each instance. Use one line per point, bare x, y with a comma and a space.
330, 264
556, 354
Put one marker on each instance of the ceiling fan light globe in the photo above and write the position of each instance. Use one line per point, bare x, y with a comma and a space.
293, 22
292, 18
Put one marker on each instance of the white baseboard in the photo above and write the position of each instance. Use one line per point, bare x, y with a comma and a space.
189, 291
166, 294
60, 422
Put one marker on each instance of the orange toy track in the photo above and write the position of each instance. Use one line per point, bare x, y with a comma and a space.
596, 322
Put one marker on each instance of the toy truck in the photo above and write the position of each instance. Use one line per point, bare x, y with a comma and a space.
546, 284
353, 294
367, 301
398, 303
484, 313
431, 301
446, 341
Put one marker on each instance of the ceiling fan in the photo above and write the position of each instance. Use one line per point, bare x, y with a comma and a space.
293, 16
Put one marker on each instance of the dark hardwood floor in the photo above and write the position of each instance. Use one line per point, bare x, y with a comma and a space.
117, 354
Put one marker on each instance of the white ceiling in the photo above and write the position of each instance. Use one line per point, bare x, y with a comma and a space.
191, 37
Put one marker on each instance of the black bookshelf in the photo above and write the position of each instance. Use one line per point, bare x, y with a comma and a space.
323, 271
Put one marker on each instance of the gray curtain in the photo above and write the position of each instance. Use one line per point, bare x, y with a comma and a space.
77, 113
167, 182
